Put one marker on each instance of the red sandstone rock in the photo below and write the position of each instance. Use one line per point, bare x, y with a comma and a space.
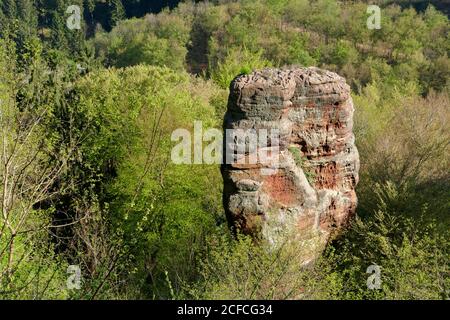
311, 194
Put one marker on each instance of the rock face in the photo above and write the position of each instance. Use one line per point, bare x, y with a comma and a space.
308, 192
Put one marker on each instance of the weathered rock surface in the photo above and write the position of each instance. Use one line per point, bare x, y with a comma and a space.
311, 194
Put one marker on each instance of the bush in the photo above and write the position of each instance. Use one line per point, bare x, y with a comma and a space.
242, 269
159, 40
238, 61
411, 252
162, 211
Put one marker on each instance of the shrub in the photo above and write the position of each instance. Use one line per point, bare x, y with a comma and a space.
238, 61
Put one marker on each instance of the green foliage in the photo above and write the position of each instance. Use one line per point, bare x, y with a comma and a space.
410, 251
298, 53
155, 204
241, 269
155, 40
300, 163
239, 61
412, 255
117, 12
327, 34
103, 110
404, 139
29, 265
39, 273
343, 53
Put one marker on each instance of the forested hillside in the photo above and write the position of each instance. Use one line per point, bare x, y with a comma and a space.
87, 182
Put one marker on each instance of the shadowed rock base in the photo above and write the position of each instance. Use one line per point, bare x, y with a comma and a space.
311, 192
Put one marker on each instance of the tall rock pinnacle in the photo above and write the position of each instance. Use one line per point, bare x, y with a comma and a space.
307, 187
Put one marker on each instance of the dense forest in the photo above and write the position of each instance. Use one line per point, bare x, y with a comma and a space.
87, 113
